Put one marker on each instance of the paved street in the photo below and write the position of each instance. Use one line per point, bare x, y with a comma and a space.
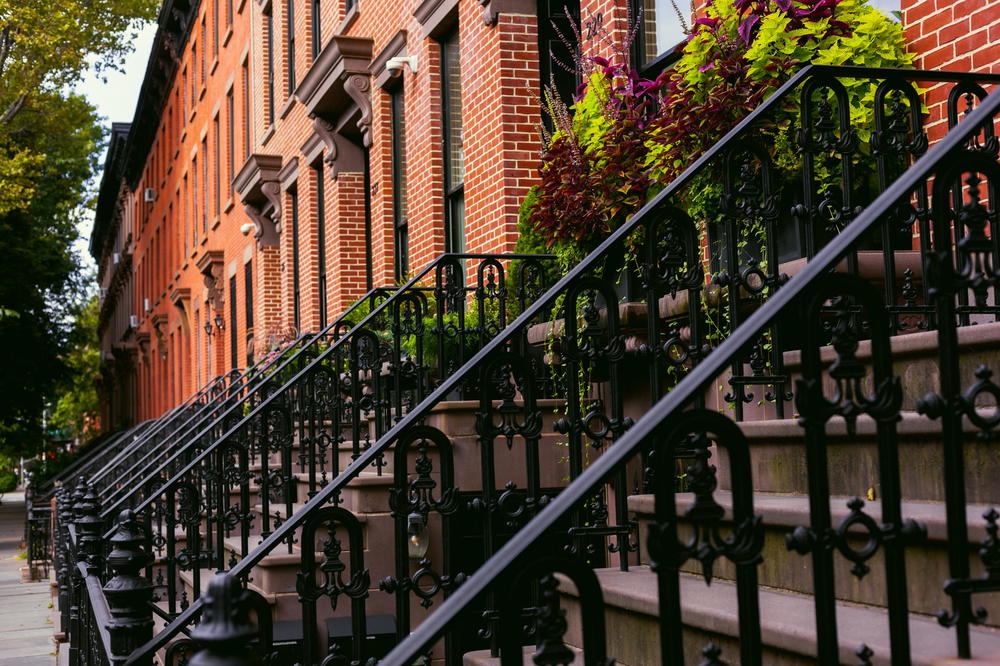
25, 617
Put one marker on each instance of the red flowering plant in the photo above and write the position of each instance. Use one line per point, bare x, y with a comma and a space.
626, 137
593, 172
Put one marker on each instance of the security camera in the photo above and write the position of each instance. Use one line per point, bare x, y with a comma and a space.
398, 63
246, 228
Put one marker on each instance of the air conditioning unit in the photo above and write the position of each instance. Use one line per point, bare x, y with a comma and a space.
145, 305
148, 196
133, 321
115, 258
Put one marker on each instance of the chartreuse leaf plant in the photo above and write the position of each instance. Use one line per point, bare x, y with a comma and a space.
626, 137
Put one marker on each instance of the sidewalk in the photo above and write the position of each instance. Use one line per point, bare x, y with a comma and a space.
25, 618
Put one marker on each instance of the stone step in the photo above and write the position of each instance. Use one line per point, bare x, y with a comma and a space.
484, 658
778, 459
788, 628
926, 564
914, 356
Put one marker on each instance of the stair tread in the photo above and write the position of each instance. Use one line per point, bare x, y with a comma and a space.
910, 423
792, 510
787, 618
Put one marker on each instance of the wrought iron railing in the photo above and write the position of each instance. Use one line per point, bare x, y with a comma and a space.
685, 338
957, 182
207, 425
212, 400
342, 398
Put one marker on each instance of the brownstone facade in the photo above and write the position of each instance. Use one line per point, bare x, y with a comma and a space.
288, 155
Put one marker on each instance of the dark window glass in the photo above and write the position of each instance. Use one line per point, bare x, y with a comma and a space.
660, 30
204, 184
248, 305
229, 12
401, 234
454, 156
194, 203
218, 166
317, 29
204, 53
558, 22
246, 110
321, 243
269, 84
231, 137
295, 259
232, 322
290, 32
348, 5
215, 28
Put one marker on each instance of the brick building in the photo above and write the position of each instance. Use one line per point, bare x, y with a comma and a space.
287, 155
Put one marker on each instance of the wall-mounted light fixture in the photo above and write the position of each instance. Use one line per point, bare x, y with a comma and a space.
397, 64
208, 328
417, 535
220, 323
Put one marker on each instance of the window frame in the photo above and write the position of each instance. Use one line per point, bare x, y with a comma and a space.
454, 193
400, 221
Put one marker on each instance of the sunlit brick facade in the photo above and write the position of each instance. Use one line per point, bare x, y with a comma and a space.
287, 155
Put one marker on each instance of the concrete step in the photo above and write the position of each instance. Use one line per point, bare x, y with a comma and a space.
926, 564
914, 356
710, 613
778, 459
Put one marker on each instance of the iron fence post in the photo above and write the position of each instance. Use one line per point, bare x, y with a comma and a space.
129, 594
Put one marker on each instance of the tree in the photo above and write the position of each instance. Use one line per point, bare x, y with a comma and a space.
45, 48
50, 141
76, 405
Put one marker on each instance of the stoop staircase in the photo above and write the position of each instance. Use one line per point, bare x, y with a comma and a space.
790, 462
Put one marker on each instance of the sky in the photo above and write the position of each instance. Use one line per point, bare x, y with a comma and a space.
115, 100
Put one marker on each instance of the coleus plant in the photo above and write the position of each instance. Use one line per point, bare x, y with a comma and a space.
627, 137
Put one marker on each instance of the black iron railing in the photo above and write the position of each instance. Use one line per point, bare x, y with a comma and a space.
846, 204
207, 424
838, 309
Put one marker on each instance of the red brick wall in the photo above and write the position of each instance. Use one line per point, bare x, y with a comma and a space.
500, 122
955, 35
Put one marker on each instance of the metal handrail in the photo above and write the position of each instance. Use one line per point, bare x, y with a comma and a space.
540, 306
699, 378
193, 420
267, 371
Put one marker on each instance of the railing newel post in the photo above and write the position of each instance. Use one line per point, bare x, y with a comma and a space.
225, 630
129, 594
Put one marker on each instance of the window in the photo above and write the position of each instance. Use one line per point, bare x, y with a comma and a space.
204, 185
290, 44
184, 204
215, 28
232, 321
889, 7
317, 29
231, 137
454, 157
269, 84
204, 52
248, 306
218, 166
197, 349
348, 5
194, 75
246, 109
659, 30
229, 12
295, 259
400, 231
321, 242
194, 202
